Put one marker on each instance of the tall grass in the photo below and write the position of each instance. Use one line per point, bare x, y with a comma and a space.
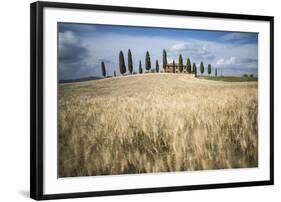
156, 123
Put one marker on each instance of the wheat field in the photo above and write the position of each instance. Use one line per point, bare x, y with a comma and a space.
156, 123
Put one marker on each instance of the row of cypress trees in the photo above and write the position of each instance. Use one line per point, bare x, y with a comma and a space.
122, 66
189, 68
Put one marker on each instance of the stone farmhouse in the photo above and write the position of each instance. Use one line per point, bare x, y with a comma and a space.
171, 69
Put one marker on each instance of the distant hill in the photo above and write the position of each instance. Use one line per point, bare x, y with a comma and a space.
80, 79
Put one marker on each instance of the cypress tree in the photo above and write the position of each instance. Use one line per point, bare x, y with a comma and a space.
130, 62
103, 69
147, 61
180, 63
174, 66
157, 66
209, 69
188, 65
140, 67
195, 69
216, 72
122, 65
114, 73
201, 68
164, 59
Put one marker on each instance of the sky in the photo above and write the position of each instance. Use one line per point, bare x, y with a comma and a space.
82, 48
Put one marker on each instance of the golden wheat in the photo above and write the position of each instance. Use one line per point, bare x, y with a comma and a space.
156, 123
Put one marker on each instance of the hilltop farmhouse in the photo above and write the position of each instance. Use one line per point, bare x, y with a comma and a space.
170, 68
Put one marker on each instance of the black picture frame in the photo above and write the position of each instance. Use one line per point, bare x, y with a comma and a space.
36, 98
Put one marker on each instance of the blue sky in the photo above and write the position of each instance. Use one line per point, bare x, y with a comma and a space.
82, 47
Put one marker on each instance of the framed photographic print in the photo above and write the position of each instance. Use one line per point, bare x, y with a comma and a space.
136, 100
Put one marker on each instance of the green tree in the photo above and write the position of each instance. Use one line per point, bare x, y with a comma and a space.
157, 66
103, 69
114, 73
140, 67
147, 61
201, 68
188, 65
209, 69
122, 65
216, 72
194, 69
180, 63
174, 66
164, 59
130, 62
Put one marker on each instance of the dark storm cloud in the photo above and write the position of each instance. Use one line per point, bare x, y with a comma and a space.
71, 52
106, 61
76, 28
73, 57
76, 59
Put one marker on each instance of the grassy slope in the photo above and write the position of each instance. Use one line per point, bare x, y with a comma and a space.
156, 123
231, 78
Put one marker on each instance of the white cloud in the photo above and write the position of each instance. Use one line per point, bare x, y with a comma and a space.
233, 62
180, 47
223, 62
67, 37
236, 36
